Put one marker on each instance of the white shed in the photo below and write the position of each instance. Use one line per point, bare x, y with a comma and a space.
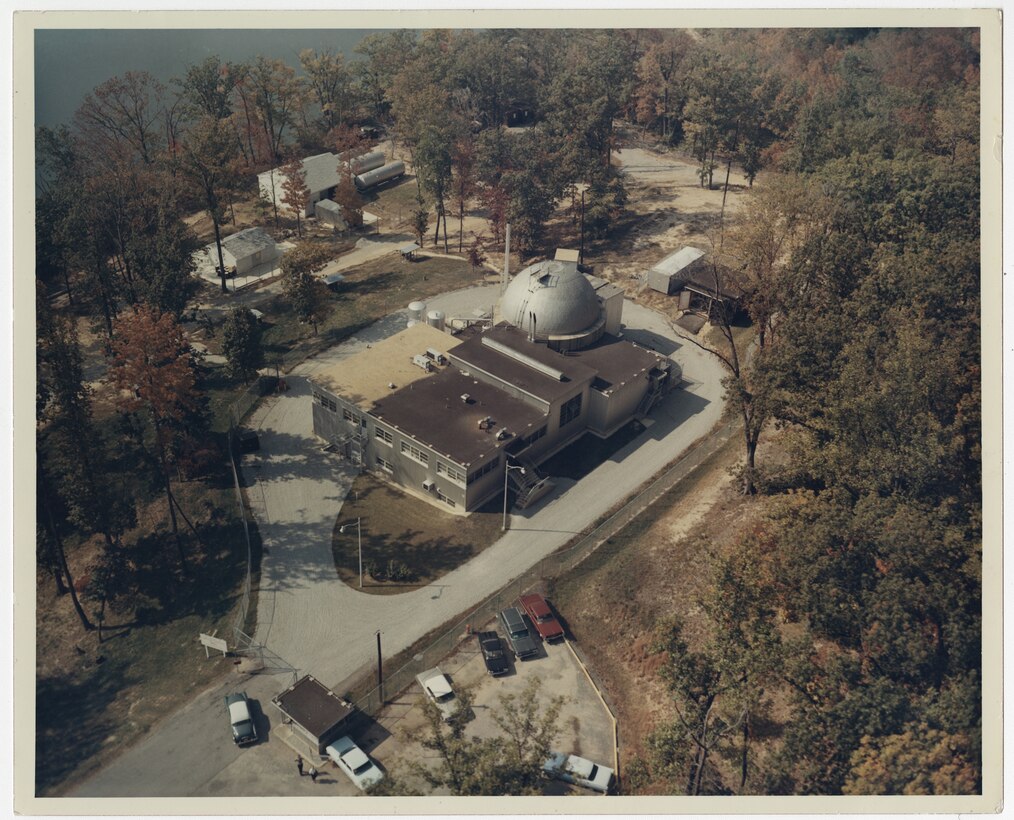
329, 212
669, 275
247, 249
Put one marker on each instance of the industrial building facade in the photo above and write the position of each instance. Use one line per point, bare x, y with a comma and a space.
444, 415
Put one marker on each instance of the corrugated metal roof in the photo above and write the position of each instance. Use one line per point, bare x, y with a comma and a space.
321, 172
676, 262
247, 243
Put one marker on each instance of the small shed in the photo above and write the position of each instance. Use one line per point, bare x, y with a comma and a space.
669, 275
408, 251
329, 212
315, 713
333, 280
247, 249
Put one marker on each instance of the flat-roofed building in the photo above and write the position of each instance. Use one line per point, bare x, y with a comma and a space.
443, 415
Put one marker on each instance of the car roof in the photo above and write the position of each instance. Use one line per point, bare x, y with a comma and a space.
238, 711
537, 604
512, 614
439, 685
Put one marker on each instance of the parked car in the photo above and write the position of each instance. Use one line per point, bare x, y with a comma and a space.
354, 762
542, 617
249, 441
492, 653
579, 771
437, 688
518, 636
243, 730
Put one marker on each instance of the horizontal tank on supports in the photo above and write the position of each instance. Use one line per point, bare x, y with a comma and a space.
367, 162
435, 318
416, 310
368, 180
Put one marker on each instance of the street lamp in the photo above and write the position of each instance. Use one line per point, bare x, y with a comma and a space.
359, 535
505, 474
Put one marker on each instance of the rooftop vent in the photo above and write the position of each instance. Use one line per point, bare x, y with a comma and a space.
465, 398
436, 355
391, 385
421, 361
502, 434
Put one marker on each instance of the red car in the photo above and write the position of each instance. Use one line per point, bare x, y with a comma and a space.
542, 617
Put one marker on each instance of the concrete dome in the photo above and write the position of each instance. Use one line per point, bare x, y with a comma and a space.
562, 299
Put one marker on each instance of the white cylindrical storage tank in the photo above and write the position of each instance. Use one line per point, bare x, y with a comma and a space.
435, 318
378, 175
416, 310
367, 162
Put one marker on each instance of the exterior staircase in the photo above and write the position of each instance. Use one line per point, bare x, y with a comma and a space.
529, 486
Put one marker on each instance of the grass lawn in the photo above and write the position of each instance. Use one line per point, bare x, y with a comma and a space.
399, 527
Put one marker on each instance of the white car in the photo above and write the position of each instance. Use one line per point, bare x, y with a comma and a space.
579, 771
438, 689
355, 763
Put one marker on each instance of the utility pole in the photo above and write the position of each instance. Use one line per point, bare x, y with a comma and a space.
580, 253
380, 669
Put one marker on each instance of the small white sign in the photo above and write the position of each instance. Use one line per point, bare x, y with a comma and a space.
210, 641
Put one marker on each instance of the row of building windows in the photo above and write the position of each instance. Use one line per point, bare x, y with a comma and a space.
385, 465
534, 437
452, 473
325, 402
449, 502
384, 435
485, 468
415, 453
348, 415
570, 410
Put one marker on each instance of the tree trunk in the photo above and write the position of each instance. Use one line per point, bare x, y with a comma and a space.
66, 282
461, 228
172, 507
743, 761
218, 246
749, 487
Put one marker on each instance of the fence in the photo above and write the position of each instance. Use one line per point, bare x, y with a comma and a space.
552, 566
239, 411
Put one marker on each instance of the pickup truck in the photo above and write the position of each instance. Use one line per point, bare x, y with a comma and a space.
518, 636
492, 653
542, 617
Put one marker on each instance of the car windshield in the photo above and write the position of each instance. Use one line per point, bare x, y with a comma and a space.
520, 633
364, 768
445, 697
244, 728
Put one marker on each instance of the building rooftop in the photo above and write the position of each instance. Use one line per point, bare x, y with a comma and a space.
603, 287
617, 361
529, 377
676, 262
321, 171
247, 243
432, 411
313, 706
365, 377
328, 205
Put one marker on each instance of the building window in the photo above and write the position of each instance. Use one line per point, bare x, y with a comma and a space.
384, 435
452, 473
534, 437
570, 410
385, 465
348, 415
485, 468
415, 453
445, 499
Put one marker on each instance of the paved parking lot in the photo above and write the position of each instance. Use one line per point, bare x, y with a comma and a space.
585, 725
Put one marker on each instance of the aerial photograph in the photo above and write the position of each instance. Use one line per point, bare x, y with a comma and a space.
548, 411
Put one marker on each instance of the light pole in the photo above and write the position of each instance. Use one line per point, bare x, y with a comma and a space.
359, 537
505, 474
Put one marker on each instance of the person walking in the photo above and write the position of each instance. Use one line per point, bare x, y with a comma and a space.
299, 764
313, 774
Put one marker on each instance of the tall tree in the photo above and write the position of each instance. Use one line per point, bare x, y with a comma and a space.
152, 364
206, 163
433, 169
241, 343
122, 114
295, 193
307, 294
330, 81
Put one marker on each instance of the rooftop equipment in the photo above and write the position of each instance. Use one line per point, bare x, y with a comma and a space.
517, 356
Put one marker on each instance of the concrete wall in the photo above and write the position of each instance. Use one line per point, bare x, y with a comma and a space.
613, 411
614, 313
